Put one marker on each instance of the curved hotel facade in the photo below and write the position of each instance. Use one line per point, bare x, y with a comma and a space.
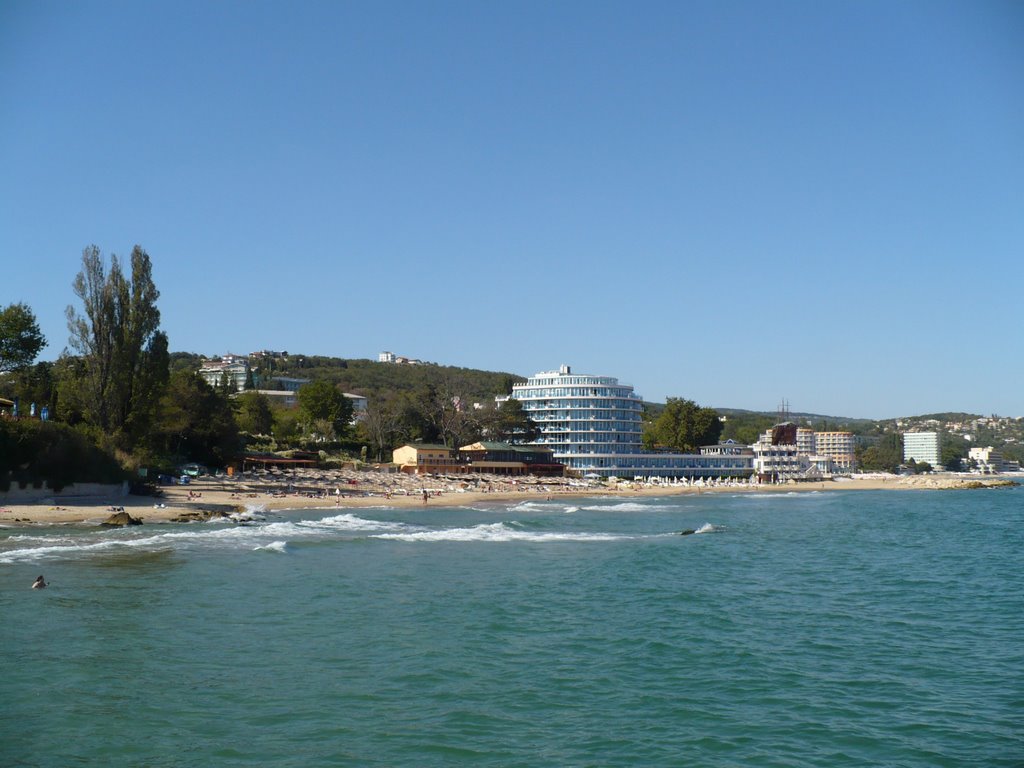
594, 425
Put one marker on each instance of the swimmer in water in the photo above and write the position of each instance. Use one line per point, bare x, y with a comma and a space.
39, 583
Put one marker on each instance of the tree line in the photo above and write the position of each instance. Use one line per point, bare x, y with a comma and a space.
117, 388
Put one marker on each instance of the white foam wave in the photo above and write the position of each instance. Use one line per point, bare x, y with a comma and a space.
50, 539
354, 522
495, 532
570, 510
777, 494
530, 506
38, 553
627, 506
274, 546
707, 528
233, 536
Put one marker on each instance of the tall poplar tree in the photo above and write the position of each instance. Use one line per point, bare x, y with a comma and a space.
117, 335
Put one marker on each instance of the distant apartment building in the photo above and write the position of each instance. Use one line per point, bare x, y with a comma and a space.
284, 397
288, 383
230, 369
359, 406
289, 398
837, 446
386, 357
922, 447
779, 458
987, 460
805, 441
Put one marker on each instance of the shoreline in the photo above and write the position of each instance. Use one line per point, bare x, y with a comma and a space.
221, 496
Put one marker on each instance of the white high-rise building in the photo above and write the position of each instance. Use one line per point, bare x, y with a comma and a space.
922, 447
594, 425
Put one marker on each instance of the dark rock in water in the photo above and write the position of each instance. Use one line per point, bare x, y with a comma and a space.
687, 532
120, 519
200, 515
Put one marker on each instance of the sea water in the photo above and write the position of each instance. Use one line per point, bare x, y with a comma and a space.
837, 628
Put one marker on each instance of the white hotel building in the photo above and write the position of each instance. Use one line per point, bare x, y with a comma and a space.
922, 446
594, 425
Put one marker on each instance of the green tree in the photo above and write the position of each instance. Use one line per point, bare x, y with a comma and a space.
441, 411
886, 456
684, 426
953, 451
286, 425
505, 422
117, 336
746, 428
381, 425
32, 384
194, 422
321, 401
20, 337
254, 413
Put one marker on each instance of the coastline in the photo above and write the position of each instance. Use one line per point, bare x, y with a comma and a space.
220, 496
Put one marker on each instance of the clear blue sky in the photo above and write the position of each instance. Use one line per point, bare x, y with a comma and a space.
735, 202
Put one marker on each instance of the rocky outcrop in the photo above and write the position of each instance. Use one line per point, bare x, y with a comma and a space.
119, 520
955, 483
202, 515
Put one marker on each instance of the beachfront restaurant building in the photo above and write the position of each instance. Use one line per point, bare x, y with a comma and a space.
506, 459
427, 458
594, 426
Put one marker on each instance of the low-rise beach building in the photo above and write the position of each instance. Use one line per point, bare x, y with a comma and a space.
287, 383
424, 458
507, 459
286, 397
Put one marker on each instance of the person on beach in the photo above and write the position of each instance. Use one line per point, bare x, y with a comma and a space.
39, 583
425, 496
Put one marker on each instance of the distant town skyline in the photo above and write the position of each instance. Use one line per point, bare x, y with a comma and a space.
730, 202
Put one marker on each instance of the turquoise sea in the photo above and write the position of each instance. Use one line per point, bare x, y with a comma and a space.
837, 628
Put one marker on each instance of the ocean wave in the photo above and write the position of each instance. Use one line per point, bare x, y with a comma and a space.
531, 506
498, 532
349, 521
238, 536
274, 546
629, 506
62, 550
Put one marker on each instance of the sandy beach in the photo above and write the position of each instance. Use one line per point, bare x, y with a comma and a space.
275, 491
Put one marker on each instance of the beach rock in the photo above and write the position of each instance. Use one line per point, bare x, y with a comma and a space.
202, 515
120, 519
